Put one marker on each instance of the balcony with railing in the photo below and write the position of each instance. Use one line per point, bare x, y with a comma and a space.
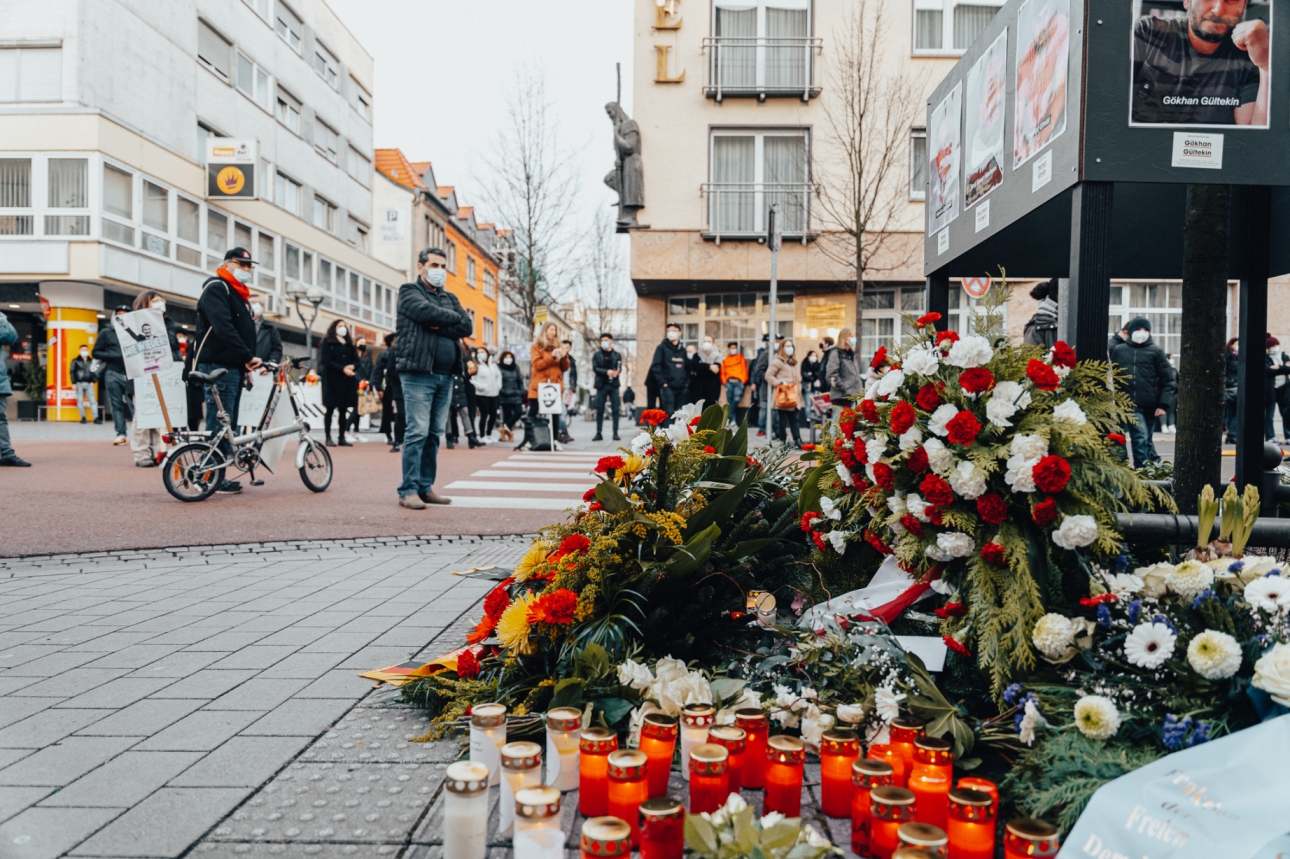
738, 210
764, 67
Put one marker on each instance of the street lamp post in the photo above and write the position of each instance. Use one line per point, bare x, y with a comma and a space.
314, 295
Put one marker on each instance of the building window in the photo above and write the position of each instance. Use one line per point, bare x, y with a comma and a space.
286, 192
325, 65
950, 26
254, 82
267, 264
213, 49
471, 313
324, 215
761, 49
490, 332
918, 164
118, 200
360, 100
1160, 303
452, 256
357, 236
288, 25
156, 217
359, 167
31, 74
261, 7
326, 140
216, 239
188, 230
15, 194
291, 254
470, 272
288, 110
750, 172
68, 188
490, 284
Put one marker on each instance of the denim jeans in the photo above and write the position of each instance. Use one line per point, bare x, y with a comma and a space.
87, 400
230, 392
428, 396
1139, 433
734, 393
120, 396
608, 393
6, 449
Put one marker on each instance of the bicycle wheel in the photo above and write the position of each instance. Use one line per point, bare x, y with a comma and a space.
316, 471
184, 477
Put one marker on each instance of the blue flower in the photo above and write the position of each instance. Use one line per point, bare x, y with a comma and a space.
1135, 608
1120, 564
1235, 566
1201, 734
1174, 732
1203, 596
1273, 572
1010, 694
1103, 616
1160, 618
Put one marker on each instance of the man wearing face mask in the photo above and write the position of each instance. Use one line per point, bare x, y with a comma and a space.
1150, 385
734, 376
706, 383
431, 322
607, 365
670, 371
117, 386
268, 342
83, 380
8, 336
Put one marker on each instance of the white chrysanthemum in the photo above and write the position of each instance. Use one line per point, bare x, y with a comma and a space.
1053, 634
1214, 655
967, 480
1029, 446
1270, 593
921, 361
838, 540
896, 503
915, 504
1070, 411
943, 415
850, 713
1076, 531
911, 438
887, 703
1189, 579
829, 509
876, 449
1096, 717
955, 544
641, 443
939, 457
844, 475
1123, 584
1149, 645
970, 351
1005, 401
890, 383
1030, 721
1020, 473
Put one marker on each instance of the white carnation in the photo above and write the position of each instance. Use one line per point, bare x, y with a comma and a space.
968, 480
1070, 411
850, 713
921, 361
838, 539
896, 503
869, 473
844, 475
876, 448
1020, 473
1029, 447
915, 504
641, 443
829, 509
1096, 717
1214, 655
890, 383
1007, 399
998, 411
938, 456
1076, 531
955, 544
1053, 634
1189, 579
970, 351
911, 438
943, 415
1030, 721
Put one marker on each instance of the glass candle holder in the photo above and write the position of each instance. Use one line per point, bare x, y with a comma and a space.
696, 720
785, 766
465, 811
891, 755
709, 777
487, 736
563, 731
521, 768
890, 807
924, 836
866, 774
537, 824
912, 853
593, 766
971, 824
839, 749
735, 742
1025, 838
905, 731
658, 742
971, 782
755, 724
628, 787
605, 838
931, 778
662, 825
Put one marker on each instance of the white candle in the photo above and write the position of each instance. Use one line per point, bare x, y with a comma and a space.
537, 824
465, 812
563, 730
487, 736
521, 768
696, 719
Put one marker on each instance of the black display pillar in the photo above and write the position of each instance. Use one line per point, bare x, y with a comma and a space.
938, 299
1256, 210
1085, 310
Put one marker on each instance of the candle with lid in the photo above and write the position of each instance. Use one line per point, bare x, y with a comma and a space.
891, 807
662, 825
785, 766
912, 853
926, 837
931, 779
971, 824
735, 741
696, 720
839, 748
487, 736
563, 732
465, 811
605, 838
1025, 838
628, 787
593, 764
709, 782
537, 824
755, 724
866, 774
905, 731
658, 742
892, 756
521, 768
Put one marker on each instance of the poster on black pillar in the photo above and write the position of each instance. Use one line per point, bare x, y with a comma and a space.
983, 120
1043, 55
944, 152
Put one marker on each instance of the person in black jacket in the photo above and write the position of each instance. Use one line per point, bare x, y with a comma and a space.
430, 322
385, 378
670, 371
268, 341
84, 382
1274, 387
338, 367
1231, 367
464, 401
1150, 385
607, 366
512, 395
116, 385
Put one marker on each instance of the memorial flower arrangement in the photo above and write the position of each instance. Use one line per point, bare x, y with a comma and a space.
734, 831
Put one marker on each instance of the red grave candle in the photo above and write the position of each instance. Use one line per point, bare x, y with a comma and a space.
931, 779
891, 755
1023, 839
925, 837
605, 838
662, 826
593, 766
839, 749
905, 731
971, 824
709, 777
658, 742
866, 774
890, 807
971, 782
755, 724
785, 766
628, 787
735, 742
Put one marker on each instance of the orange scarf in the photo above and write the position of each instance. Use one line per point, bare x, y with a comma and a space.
238, 287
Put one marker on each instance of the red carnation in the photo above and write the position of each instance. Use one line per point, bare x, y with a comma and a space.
1045, 512
936, 490
861, 453
589, 495
653, 417
869, 410
1117, 438
848, 428
928, 319
879, 357
917, 461
595, 507
467, 665
934, 515
953, 644
557, 607
848, 458
974, 380
943, 336
807, 446
992, 508
609, 463
884, 476
1063, 354
962, 428
1042, 375
707, 448
874, 540
572, 545
902, 418
993, 554
496, 602
1094, 602
819, 541
950, 609
927, 398
808, 518
1051, 474
912, 525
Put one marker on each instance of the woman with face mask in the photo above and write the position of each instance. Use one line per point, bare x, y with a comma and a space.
511, 395
843, 373
338, 366
146, 444
549, 360
488, 385
784, 376
705, 383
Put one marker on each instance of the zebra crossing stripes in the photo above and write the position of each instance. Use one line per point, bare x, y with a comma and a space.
553, 480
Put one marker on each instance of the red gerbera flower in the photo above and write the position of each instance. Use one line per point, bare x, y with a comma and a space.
902, 417
1045, 512
869, 410
653, 417
992, 508
951, 609
1051, 474
1042, 375
917, 461
467, 664
912, 525
556, 607
609, 463
954, 645
1063, 354
936, 490
1116, 437
928, 319
993, 554
927, 398
943, 336
879, 357
884, 476
589, 495
974, 380
962, 428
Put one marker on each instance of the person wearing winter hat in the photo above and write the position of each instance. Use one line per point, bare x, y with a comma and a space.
1149, 381
1276, 391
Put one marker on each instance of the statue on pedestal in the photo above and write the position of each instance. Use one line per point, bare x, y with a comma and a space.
628, 175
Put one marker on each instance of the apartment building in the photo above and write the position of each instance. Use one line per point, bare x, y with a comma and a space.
106, 107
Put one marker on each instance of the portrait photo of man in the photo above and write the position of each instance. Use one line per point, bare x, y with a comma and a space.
1203, 62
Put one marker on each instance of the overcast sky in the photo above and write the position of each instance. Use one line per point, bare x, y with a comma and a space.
444, 69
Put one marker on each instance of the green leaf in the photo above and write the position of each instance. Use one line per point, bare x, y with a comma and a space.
713, 484
726, 688
693, 554
782, 834
568, 692
748, 548
612, 498
713, 418
614, 709
720, 508
700, 835
596, 659
809, 499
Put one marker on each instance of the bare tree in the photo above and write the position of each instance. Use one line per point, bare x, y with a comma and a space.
532, 188
601, 275
870, 106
